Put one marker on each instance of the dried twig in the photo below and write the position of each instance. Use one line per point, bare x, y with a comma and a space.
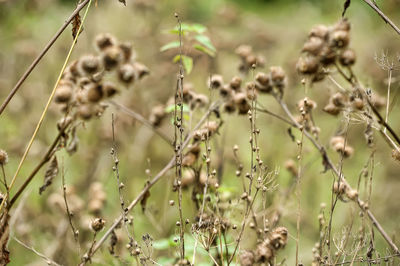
48, 260
382, 15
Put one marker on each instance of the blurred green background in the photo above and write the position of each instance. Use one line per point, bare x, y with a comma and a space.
275, 29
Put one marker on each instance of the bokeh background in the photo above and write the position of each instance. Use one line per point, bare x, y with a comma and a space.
275, 30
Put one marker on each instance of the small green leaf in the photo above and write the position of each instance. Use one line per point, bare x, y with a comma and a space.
198, 28
170, 45
205, 41
204, 50
187, 62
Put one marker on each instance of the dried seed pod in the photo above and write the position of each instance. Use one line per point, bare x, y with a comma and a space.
290, 165
343, 24
307, 65
89, 64
187, 93
347, 57
63, 94
105, 40
97, 224
306, 104
339, 188
358, 103
83, 82
338, 99
336, 139
244, 50
126, 48
332, 109
188, 178
313, 45
340, 38
85, 111
396, 155
240, 100
225, 91
327, 55
229, 107
215, 81
251, 60
109, 89
157, 115
263, 82
141, 70
352, 194
199, 100
3, 157
112, 57
320, 31
278, 76
95, 93
235, 83
126, 73
73, 69
251, 91
246, 258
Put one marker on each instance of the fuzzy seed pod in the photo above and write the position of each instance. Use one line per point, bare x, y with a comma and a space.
347, 151
307, 65
215, 81
290, 165
352, 194
199, 100
306, 104
73, 69
336, 139
111, 57
313, 45
126, 73
188, 178
229, 107
85, 111
358, 103
203, 180
320, 31
63, 94
235, 83
263, 82
83, 82
191, 157
157, 115
97, 224
244, 50
95, 93
126, 48
278, 76
340, 38
251, 60
105, 40
187, 93
109, 89
327, 55
89, 64
240, 100
246, 258
332, 109
251, 91
343, 24
347, 57
339, 188
3, 157
141, 70
225, 91
338, 99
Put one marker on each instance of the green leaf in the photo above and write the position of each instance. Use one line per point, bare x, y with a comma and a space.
171, 108
187, 62
205, 41
204, 50
196, 28
170, 45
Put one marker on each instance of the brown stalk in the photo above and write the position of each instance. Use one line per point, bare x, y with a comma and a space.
149, 184
382, 15
42, 53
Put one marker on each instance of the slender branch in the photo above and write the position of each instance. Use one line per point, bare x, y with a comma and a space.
151, 183
42, 53
48, 260
382, 15
328, 163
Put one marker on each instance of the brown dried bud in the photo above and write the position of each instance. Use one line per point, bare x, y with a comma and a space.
63, 94
340, 38
278, 76
141, 69
104, 41
327, 55
251, 91
85, 112
199, 100
240, 100
306, 104
290, 165
98, 224
235, 83
358, 103
307, 65
332, 109
313, 45
111, 57
126, 73
89, 64
110, 89
229, 107
244, 50
339, 188
320, 31
352, 194
347, 57
246, 258
3, 157
95, 93
343, 24
225, 91
263, 82
126, 49
338, 99
215, 81
395, 155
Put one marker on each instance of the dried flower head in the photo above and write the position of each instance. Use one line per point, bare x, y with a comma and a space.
3, 157
97, 224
